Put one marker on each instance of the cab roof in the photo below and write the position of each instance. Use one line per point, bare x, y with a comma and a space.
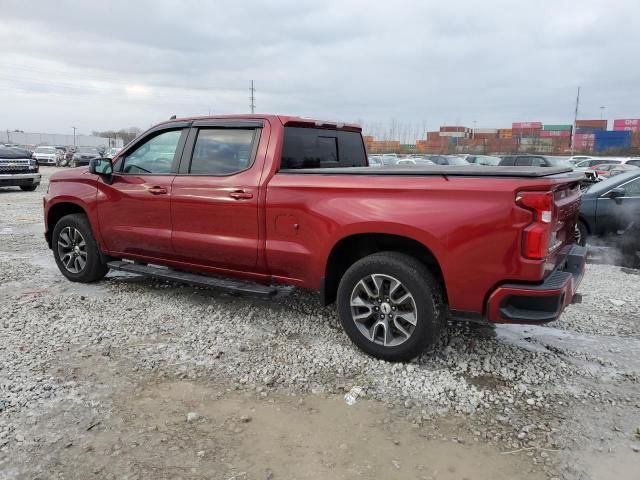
285, 120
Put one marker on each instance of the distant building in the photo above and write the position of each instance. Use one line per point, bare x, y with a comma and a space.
26, 138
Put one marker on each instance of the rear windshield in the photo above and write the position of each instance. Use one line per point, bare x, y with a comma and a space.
321, 148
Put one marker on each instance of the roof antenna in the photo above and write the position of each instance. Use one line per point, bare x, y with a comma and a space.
173, 117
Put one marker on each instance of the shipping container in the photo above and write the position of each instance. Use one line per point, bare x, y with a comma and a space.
597, 124
484, 136
555, 133
627, 128
526, 132
635, 139
589, 130
453, 134
445, 128
505, 133
606, 140
526, 125
625, 122
557, 128
433, 135
493, 131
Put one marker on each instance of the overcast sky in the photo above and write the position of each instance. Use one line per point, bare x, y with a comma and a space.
108, 65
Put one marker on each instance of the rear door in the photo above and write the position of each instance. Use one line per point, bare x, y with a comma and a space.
215, 195
134, 209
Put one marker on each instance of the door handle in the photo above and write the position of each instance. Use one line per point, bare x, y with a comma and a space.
241, 195
157, 190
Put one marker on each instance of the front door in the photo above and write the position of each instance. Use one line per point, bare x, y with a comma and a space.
215, 196
618, 215
134, 211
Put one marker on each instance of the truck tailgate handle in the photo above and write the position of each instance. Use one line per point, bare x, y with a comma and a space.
241, 195
157, 190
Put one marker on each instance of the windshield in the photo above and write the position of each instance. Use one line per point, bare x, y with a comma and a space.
45, 150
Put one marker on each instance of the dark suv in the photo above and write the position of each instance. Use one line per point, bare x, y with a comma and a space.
526, 161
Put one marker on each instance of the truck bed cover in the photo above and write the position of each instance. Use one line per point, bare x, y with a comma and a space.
464, 171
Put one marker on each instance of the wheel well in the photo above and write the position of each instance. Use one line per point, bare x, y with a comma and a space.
58, 211
351, 249
584, 222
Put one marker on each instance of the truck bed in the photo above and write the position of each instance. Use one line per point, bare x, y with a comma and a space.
464, 171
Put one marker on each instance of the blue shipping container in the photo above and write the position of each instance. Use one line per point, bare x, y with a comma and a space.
606, 139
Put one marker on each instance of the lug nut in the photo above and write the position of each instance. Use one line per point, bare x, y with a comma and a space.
376, 308
382, 315
393, 308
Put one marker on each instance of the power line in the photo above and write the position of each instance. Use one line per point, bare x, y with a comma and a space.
575, 120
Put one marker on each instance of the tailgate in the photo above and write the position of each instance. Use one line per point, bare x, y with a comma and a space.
566, 199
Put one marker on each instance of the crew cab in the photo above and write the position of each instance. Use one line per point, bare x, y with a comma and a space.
253, 203
18, 169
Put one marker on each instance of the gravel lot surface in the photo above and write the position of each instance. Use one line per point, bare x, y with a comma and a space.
136, 378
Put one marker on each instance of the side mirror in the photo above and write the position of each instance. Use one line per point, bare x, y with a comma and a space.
616, 194
102, 167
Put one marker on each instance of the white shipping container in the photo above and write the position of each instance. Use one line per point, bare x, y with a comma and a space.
453, 134
486, 130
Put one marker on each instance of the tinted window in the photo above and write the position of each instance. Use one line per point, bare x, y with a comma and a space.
222, 151
153, 156
632, 189
321, 148
507, 161
523, 162
635, 163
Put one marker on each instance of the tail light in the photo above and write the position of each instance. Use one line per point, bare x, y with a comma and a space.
536, 237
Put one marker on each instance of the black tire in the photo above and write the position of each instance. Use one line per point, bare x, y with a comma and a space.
94, 269
416, 278
28, 188
581, 233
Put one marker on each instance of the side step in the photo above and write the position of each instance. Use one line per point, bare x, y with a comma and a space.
163, 273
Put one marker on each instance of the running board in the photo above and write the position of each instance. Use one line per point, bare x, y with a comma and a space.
162, 273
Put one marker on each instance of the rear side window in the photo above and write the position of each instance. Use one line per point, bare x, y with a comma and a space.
222, 151
507, 162
635, 163
321, 148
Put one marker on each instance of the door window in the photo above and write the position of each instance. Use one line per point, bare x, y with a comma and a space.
632, 189
155, 156
523, 161
222, 151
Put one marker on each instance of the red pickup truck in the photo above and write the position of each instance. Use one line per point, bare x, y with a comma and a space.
253, 202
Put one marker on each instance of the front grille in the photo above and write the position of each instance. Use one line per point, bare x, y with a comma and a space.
14, 166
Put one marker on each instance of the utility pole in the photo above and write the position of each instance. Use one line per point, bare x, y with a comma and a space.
253, 98
575, 120
473, 132
74, 136
602, 111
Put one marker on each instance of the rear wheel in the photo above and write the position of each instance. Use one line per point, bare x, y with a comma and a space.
76, 251
391, 306
581, 233
28, 188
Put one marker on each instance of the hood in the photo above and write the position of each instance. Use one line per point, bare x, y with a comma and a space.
16, 153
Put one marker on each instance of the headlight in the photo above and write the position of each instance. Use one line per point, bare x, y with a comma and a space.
33, 162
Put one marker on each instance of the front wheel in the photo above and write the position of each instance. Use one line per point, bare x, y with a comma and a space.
76, 251
581, 233
391, 306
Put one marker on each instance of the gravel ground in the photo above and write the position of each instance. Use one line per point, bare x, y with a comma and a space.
559, 396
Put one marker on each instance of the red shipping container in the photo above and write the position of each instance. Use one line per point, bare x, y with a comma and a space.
627, 129
601, 124
522, 125
485, 136
628, 122
433, 135
555, 133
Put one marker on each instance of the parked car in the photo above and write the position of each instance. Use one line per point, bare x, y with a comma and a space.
611, 209
46, 155
483, 160
452, 160
18, 169
603, 169
533, 161
82, 156
112, 152
273, 200
592, 161
618, 169
414, 161
578, 159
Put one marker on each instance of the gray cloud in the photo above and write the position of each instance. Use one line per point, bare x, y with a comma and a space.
111, 64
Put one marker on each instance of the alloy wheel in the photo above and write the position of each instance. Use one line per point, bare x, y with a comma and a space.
384, 310
72, 249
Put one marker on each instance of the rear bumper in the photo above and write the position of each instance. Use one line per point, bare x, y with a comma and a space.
521, 303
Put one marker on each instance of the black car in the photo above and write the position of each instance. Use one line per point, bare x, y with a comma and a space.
83, 154
532, 161
611, 210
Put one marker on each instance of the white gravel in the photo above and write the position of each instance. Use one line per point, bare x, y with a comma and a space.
510, 377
